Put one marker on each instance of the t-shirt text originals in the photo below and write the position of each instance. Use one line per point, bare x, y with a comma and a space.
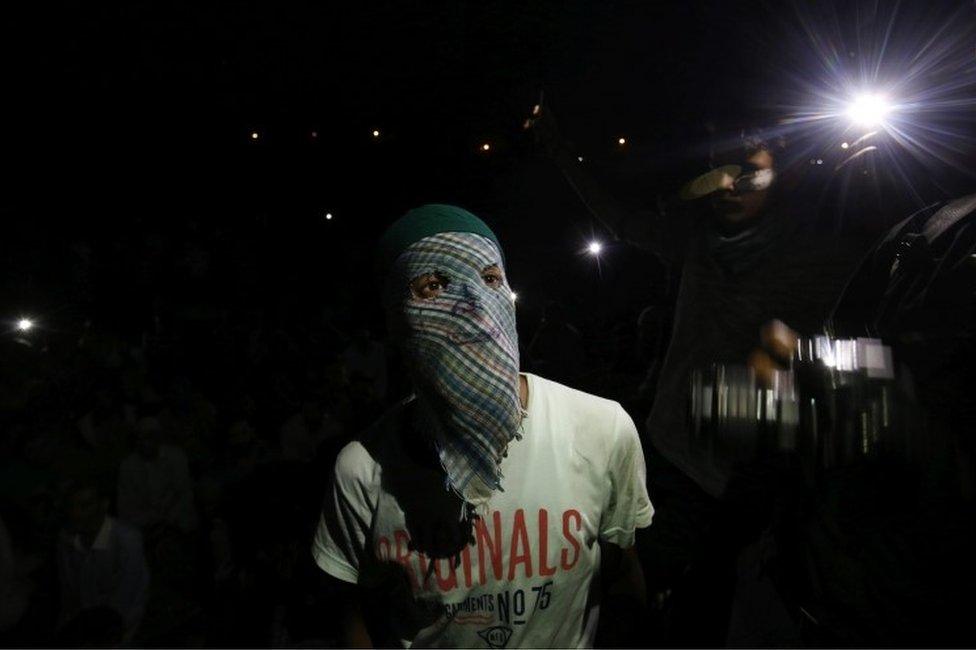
490, 542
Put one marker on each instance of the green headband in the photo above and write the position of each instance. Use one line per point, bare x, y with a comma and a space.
427, 220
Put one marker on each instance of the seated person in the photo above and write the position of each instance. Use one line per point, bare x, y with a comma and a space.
101, 563
155, 489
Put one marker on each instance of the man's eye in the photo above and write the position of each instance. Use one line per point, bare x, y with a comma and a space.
430, 287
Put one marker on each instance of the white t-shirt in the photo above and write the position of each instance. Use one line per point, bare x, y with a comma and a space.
531, 577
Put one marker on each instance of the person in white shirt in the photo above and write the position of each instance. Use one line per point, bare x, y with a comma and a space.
101, 562
154, 486
482, 505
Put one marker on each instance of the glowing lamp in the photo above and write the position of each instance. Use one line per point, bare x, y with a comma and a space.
868, 110
25, 324
594, 248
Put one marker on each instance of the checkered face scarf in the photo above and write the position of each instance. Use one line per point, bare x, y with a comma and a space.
461, 350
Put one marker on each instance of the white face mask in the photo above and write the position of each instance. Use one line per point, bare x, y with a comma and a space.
728, 178
755, 181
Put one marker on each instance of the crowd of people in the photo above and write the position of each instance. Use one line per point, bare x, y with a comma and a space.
163, 466
137, 494
161, 474
164, 457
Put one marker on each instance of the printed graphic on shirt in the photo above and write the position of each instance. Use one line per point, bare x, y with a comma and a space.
497, 636
485, 561
511, 606
519, 556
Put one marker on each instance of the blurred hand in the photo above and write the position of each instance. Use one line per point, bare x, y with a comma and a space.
543, 125
777, 344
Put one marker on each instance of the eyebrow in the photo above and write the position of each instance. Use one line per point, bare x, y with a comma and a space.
427, 274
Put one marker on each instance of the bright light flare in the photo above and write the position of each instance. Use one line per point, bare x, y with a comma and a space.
376, 133
594, 248
25, 324
868, 110
907, 76
621, 141
255, 135
514, 296
328, 216
485, 147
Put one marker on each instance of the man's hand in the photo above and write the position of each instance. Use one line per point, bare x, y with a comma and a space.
542, 123
622, 613
777, 345
355, 634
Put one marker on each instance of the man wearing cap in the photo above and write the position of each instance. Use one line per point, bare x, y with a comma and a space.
483, 506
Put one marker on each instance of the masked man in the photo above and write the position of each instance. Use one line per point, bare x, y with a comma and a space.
486, 506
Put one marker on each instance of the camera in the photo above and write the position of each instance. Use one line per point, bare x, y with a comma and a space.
836, 404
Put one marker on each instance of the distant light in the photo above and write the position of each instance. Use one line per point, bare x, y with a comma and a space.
328, 216
485, 147
314, 134
25, 324
376, 133
579, 158
254, 135
621, 141
844, 145
514, 296
819, 161
868, 110
536, 109
594, 248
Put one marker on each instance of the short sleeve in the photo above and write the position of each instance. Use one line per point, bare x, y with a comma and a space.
629, 506
340, 544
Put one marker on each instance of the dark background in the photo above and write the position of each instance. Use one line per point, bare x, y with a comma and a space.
126, 119
162, 250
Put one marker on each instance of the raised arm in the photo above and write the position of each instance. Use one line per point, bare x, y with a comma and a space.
644, 228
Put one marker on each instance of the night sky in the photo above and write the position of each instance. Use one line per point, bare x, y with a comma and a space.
130, 118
